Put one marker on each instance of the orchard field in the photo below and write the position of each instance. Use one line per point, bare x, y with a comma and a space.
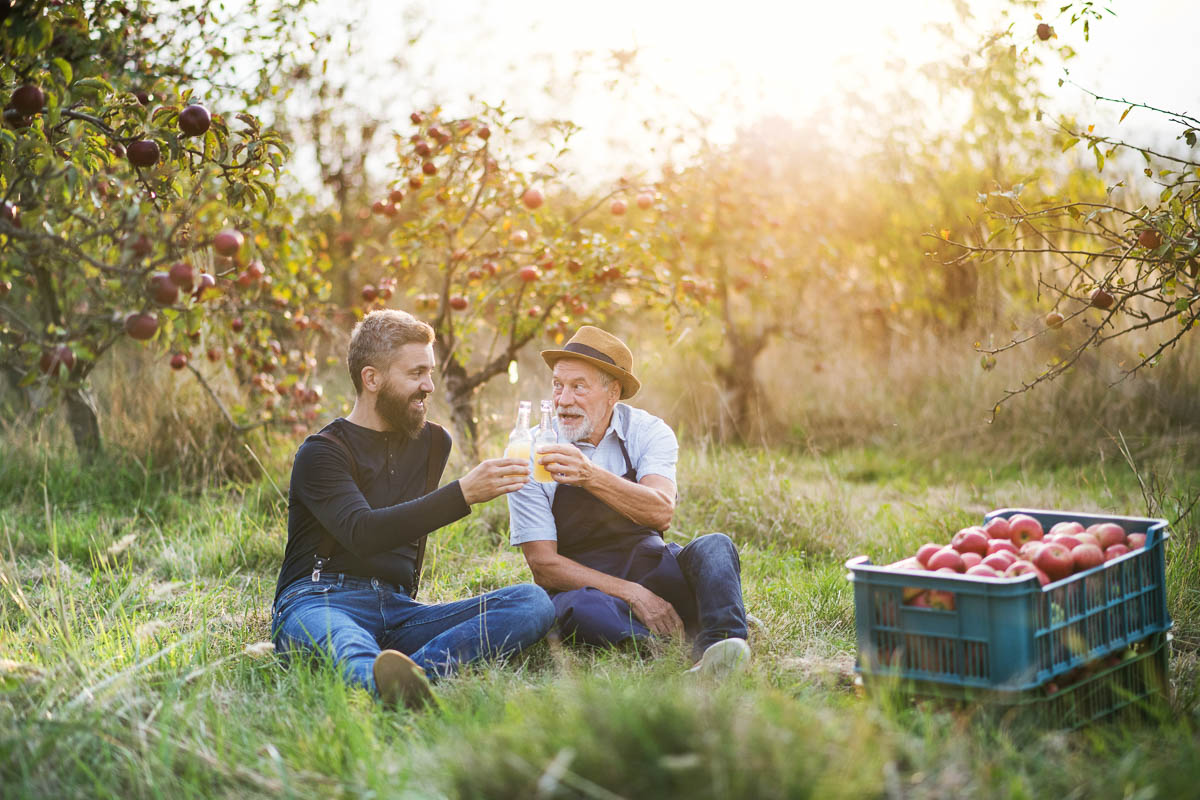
866, 336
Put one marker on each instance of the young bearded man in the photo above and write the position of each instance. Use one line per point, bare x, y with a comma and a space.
593, 537
359, 508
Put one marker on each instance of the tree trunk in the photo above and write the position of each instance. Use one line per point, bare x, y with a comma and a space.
747, 407
85, 428
462, 398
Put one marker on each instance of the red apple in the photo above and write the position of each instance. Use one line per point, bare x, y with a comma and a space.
998, 528
162, 289
228, 242
908, 564
1107, 534
5, 288
429, 168
1071, 527
1001, 545
395, 197
1069, 541
1020, 568
1054, 560
1087, 556
214, 354
645, 200
941, 600
1024, 528
926, 552
484, 132
1000, 560
178, 361
182, 275
141, 325
458, 302
1135, 541
1101, 299
529, 274
918, 600
983, 571
970, 540
1115, 551
236, 325
28, 100
205, 283
946, 557
1149, 238
142, 153
415, 181
1030, 549
194, 120
1044, 31
1087, 538
10, 214
520, 236
618, 207
532, 198
971, 559
369, 293
1054, 320
53, 358
490, 267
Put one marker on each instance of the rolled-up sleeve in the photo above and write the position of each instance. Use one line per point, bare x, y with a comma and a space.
659, 450
529, 516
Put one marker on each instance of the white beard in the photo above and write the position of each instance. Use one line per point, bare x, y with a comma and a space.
577, 432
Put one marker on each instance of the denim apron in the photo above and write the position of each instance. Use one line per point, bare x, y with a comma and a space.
597, 536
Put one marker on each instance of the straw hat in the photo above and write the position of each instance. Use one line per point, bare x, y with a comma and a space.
602, 350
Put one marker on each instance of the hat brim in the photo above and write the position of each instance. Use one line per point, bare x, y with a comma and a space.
629, 384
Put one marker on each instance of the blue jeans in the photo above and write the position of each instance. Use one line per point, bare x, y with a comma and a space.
352, 619
712, 569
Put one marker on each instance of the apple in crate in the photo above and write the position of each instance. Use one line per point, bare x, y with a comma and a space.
946, 557
1067, 540
971, 540
1029, 550
1115, 551
1087, 556
997, 545
1019, 568
926, 552
997, 528
1054, 560
1000, 560
908, 564
1024, 528
983, 571
1135, 541
941, 600
1071, 527
971, 559
1087, 538
1107, 534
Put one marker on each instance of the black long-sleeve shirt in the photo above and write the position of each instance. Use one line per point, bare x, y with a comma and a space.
377, 527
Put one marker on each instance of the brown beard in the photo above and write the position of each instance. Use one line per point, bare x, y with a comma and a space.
398, 412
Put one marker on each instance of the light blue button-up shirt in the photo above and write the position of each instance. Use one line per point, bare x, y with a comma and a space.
652, 448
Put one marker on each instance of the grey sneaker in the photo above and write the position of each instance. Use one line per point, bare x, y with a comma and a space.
398, 680
723, 659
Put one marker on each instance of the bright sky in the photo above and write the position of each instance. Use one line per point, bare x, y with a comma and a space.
736, 61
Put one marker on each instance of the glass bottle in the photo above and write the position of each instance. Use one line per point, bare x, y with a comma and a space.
546, 435
520, 441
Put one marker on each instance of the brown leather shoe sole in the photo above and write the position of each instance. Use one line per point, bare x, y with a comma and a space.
399, 680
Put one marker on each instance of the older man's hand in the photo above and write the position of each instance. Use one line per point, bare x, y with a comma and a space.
566, 463
655, 613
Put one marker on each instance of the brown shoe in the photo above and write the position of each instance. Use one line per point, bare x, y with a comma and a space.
398, 680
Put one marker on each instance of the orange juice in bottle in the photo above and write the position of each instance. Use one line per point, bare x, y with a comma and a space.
546, 434
520, 441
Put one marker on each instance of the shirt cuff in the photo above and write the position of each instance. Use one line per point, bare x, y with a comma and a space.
532, 535
456, 493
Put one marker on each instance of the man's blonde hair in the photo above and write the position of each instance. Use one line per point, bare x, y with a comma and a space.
376, 338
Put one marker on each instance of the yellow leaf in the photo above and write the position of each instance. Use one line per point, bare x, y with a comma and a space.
1091, 128
946, 234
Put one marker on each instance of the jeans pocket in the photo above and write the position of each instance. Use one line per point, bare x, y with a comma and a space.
298, 590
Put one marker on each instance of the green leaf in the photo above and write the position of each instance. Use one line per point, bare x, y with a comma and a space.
1166, 194
64, 69
1099, 159
1070, 143
1190, 138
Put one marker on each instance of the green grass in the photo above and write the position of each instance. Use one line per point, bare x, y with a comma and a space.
125, 671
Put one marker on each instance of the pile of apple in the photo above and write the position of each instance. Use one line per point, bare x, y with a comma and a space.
1008, 548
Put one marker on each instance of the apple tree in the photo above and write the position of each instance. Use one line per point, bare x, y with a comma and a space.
136, 209
1109, 262
495, 256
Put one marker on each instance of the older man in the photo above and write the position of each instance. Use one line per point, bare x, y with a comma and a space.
364, 495
593, 537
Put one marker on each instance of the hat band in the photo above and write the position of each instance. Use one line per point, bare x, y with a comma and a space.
584, 350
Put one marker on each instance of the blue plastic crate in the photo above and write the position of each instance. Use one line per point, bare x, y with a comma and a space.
1011, 633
